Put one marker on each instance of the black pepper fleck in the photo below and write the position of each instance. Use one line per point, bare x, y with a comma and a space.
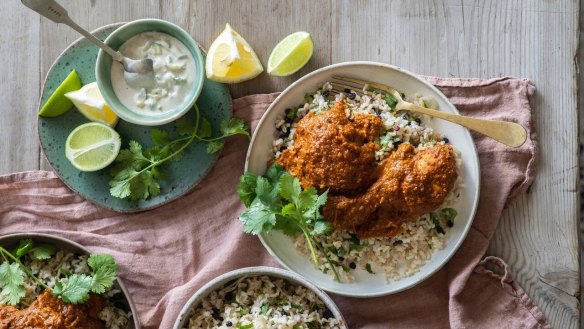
228, 323
352, 95
352, 265
445, 140
327, 314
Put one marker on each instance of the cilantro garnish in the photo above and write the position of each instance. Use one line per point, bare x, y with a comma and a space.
137, 171
277, 201
12, 283
74, 290
390, 100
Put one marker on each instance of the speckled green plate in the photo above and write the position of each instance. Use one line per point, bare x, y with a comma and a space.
214, 103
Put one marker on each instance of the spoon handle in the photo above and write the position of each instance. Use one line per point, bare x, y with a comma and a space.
508, 133
55, 12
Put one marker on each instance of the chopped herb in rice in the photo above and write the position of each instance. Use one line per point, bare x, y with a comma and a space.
262, 302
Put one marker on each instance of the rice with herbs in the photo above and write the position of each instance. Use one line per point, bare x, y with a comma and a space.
56, 268
262, 302
404, 254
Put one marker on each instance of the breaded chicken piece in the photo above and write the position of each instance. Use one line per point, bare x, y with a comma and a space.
408, 186
334, 152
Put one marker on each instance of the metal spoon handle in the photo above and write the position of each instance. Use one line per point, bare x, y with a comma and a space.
55, 12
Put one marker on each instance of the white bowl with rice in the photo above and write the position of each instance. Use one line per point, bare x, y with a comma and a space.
259, 297
118, 312
375, 266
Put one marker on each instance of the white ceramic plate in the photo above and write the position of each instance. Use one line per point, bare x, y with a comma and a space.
365, 284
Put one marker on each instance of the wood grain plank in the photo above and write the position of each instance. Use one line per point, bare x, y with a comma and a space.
538, 235
20, 88
90, 15
263, 24
580, 62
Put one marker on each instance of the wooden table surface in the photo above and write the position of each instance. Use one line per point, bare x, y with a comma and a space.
538, 40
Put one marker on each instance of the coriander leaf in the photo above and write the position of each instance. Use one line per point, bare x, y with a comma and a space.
75, 290
287, 225
159, 137
321, 227
265, 309
185, 127
390, 100
234, 126
291, 211
267, 192
157, 173
205, 130
290, 188
120, 188
103, 279
12, 283
449, 213
313, 325
314, 211
24, 246
98, 261
274, 173
132, 153
369, 269
436, 222
246, 188
43, 251
151, 186
215, 146
307, 199
258, 218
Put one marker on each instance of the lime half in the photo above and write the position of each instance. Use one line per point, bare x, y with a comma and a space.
92, 146
57, 103
291, 54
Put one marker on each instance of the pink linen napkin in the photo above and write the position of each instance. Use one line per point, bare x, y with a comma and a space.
168, 253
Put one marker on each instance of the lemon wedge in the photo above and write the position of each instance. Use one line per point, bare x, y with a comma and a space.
290, 54
90, 103
231, 59
92, 146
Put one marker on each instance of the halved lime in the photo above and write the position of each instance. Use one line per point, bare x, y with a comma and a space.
291, 54
57, 103
92, 146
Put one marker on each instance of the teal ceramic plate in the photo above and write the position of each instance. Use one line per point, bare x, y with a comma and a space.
180, 177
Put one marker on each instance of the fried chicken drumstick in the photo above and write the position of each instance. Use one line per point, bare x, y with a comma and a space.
367, 197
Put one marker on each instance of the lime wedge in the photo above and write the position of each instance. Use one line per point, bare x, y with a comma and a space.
291, 54
57, 103
92, 146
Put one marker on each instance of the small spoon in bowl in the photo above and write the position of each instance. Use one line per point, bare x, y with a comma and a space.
137, 73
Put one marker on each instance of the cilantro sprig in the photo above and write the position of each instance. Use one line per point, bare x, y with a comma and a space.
277, 201
137, 170
75, 289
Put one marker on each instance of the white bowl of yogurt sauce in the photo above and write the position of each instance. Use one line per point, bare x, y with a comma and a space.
178, 72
